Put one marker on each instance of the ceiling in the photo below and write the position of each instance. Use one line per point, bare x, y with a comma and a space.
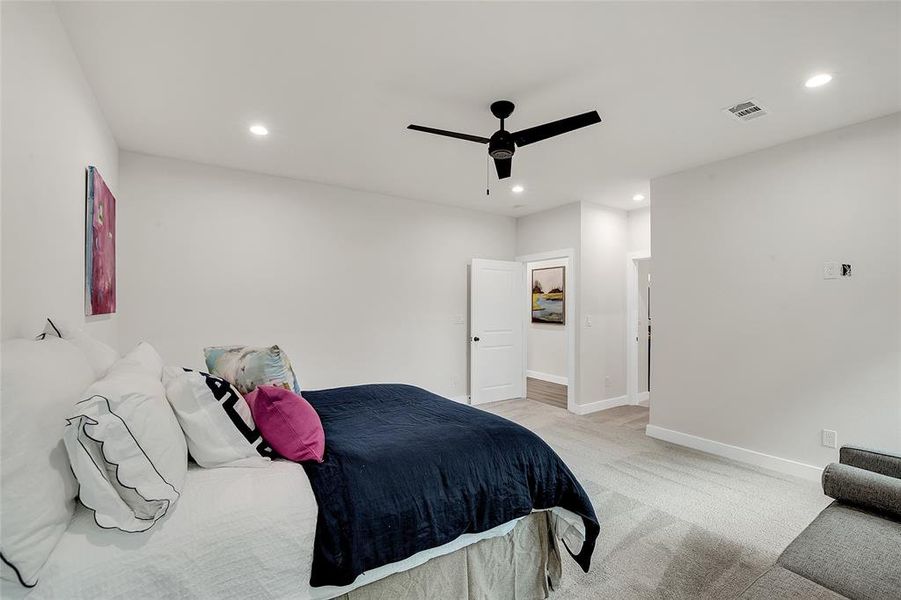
337, 83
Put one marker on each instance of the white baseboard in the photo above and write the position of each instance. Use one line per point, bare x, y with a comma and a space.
584, 409
643, 399
460, 399
759, 459
548, 377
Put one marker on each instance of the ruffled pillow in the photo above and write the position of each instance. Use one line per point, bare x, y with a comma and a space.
125, 445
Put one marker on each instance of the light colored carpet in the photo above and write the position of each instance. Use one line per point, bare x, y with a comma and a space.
675, 523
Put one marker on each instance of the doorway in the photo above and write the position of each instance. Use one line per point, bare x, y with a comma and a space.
640, 329
501, 312
548, 324
496, 347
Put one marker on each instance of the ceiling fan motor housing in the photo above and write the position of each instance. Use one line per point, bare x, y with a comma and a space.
501, 145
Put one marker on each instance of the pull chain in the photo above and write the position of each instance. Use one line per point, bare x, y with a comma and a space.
487, 176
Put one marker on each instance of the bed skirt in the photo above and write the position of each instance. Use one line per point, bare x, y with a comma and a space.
522, 565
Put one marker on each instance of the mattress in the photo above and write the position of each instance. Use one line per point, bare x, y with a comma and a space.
235, 533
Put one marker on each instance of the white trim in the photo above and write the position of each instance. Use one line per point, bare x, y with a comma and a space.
632, 324
643, 399
571, 318
552, 254
460, 399
759, 459
584, 409
560, 379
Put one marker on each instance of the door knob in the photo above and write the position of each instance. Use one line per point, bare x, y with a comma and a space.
475, 339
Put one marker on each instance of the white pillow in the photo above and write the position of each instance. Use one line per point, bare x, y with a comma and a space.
99, 355
41, 380
216, 420
125, 445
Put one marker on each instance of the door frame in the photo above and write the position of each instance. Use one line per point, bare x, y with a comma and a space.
569, 307
632, 259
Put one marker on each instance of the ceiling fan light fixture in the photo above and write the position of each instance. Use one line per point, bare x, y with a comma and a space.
501, 145
517, 189
259, 130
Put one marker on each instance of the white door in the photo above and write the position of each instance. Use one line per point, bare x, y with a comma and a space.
496, 357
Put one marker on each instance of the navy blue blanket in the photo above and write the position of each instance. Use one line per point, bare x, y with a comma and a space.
406, 470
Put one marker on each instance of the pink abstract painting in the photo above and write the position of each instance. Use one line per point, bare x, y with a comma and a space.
100, 247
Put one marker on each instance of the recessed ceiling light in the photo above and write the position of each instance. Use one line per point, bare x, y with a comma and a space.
818, 80
517, 189
259, 130
638, 197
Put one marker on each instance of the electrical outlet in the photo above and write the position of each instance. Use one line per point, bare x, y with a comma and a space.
830, 438
587, 320
607, 381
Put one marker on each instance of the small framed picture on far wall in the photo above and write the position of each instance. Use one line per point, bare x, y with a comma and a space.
549, 295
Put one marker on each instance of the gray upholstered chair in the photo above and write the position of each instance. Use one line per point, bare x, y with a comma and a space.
853, 548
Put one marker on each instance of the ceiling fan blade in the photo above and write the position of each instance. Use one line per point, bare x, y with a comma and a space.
453, 134
542, 132
503, 166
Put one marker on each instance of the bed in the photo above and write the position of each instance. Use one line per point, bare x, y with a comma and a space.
418, 496
242, 533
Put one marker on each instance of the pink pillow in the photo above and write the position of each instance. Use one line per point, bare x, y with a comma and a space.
287, 422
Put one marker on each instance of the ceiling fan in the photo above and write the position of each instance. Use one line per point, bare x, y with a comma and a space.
502, 143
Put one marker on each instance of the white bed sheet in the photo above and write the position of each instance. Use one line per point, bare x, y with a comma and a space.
235, 533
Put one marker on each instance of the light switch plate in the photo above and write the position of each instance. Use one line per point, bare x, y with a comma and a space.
832, 270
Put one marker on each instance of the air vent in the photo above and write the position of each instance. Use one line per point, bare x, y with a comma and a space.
745, 111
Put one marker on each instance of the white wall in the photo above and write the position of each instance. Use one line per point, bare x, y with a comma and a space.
639, 224
752, 347
603, 299
557, 229
599, 236
546, 342
355, 287
52, 130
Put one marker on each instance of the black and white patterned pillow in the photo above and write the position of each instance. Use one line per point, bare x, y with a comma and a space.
217, 421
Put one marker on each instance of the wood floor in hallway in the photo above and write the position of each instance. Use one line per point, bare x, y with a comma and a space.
546, 392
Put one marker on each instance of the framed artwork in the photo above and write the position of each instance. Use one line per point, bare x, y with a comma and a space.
99, 246
549, 295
